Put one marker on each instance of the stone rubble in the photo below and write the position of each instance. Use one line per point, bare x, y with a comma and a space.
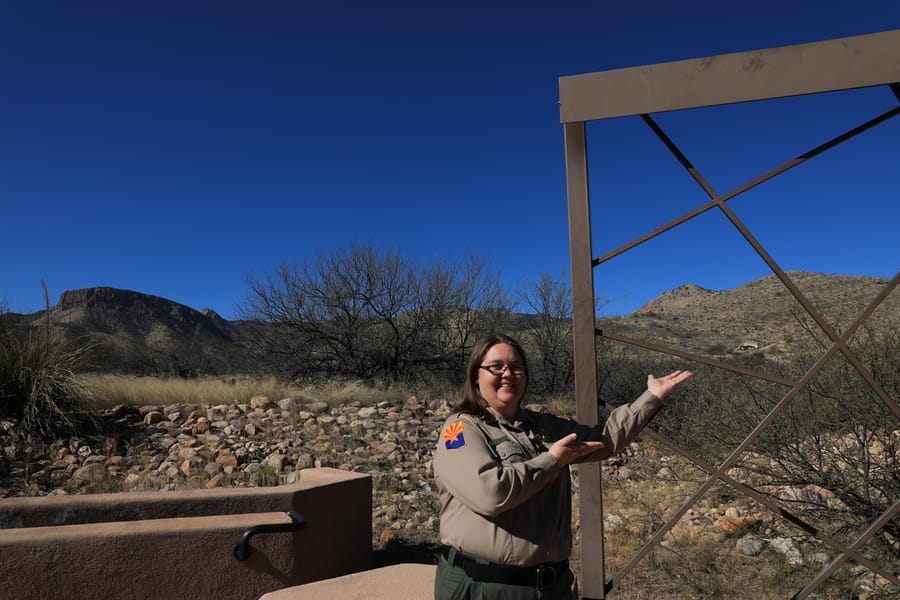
264, 442
258, 443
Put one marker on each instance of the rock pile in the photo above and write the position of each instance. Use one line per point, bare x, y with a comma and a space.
264, 442
259, 443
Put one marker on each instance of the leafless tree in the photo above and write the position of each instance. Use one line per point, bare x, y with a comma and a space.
370, 313
550, 339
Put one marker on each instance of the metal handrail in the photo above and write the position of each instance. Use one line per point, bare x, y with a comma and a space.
242, 549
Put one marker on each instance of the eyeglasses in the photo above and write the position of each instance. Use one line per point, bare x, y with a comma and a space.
497, 369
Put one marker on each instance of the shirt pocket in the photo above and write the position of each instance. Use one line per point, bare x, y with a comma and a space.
510, 452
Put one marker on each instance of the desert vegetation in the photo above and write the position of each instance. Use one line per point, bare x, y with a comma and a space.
109, 390
39, 384
829, 462
365, 326
370, 314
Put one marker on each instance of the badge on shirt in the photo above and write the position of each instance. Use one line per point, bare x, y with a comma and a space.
453, 436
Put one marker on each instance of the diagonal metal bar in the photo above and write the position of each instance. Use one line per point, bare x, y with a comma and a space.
649, 236
767, 258
729, 461
812, 153
869, 309
779, 272
740, 189
695, 358
732, 458
720, 472
813, 311
680, 156
769, 503
838, 344
854, 360
835, 564
851, 356
720, 201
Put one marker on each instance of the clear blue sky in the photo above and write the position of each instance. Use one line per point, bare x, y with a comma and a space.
174, 147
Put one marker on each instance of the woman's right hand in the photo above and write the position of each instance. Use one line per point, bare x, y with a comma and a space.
569, 449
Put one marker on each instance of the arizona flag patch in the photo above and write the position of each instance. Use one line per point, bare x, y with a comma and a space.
453, 436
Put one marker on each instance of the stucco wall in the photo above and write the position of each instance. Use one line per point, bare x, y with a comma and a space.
181, 544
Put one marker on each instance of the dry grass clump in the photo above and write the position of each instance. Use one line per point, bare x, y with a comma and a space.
561, 405
110, 390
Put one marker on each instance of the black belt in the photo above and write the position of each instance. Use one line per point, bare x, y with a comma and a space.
541, 576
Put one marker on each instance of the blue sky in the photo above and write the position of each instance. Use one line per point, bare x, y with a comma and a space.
173, 148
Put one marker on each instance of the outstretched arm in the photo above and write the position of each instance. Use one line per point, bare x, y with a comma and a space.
625, 422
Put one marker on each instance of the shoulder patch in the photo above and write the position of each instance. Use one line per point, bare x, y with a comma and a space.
453, 436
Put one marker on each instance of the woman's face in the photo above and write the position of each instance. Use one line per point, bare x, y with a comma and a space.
502, 392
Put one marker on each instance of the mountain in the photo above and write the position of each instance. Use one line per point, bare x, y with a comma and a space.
139, 333
759, 315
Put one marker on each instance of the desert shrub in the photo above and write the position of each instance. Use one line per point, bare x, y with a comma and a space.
831, 456
265, 476
717, 348
38, 382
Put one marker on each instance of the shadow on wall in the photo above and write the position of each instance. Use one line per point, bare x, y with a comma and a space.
396, 552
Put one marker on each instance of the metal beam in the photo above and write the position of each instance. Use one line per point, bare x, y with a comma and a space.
839, 64
585, 348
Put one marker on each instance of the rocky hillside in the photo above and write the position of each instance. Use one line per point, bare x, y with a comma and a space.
759, 315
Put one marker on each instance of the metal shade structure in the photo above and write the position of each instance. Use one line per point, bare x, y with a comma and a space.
832, 65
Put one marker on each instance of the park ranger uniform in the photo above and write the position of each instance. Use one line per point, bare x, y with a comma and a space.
506, 504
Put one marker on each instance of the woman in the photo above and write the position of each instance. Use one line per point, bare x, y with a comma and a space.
503, 477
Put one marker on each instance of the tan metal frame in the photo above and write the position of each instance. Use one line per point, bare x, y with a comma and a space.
840, 64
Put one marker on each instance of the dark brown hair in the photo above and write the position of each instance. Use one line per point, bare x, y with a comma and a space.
473, 403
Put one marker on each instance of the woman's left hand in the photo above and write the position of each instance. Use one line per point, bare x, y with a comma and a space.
660, 387
569, 449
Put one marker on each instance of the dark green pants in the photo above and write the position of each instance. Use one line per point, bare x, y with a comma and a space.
452, 583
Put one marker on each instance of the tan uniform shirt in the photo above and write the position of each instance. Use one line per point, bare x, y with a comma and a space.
503, 495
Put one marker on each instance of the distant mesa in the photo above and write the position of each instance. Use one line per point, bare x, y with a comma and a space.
116, 298
129, 331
